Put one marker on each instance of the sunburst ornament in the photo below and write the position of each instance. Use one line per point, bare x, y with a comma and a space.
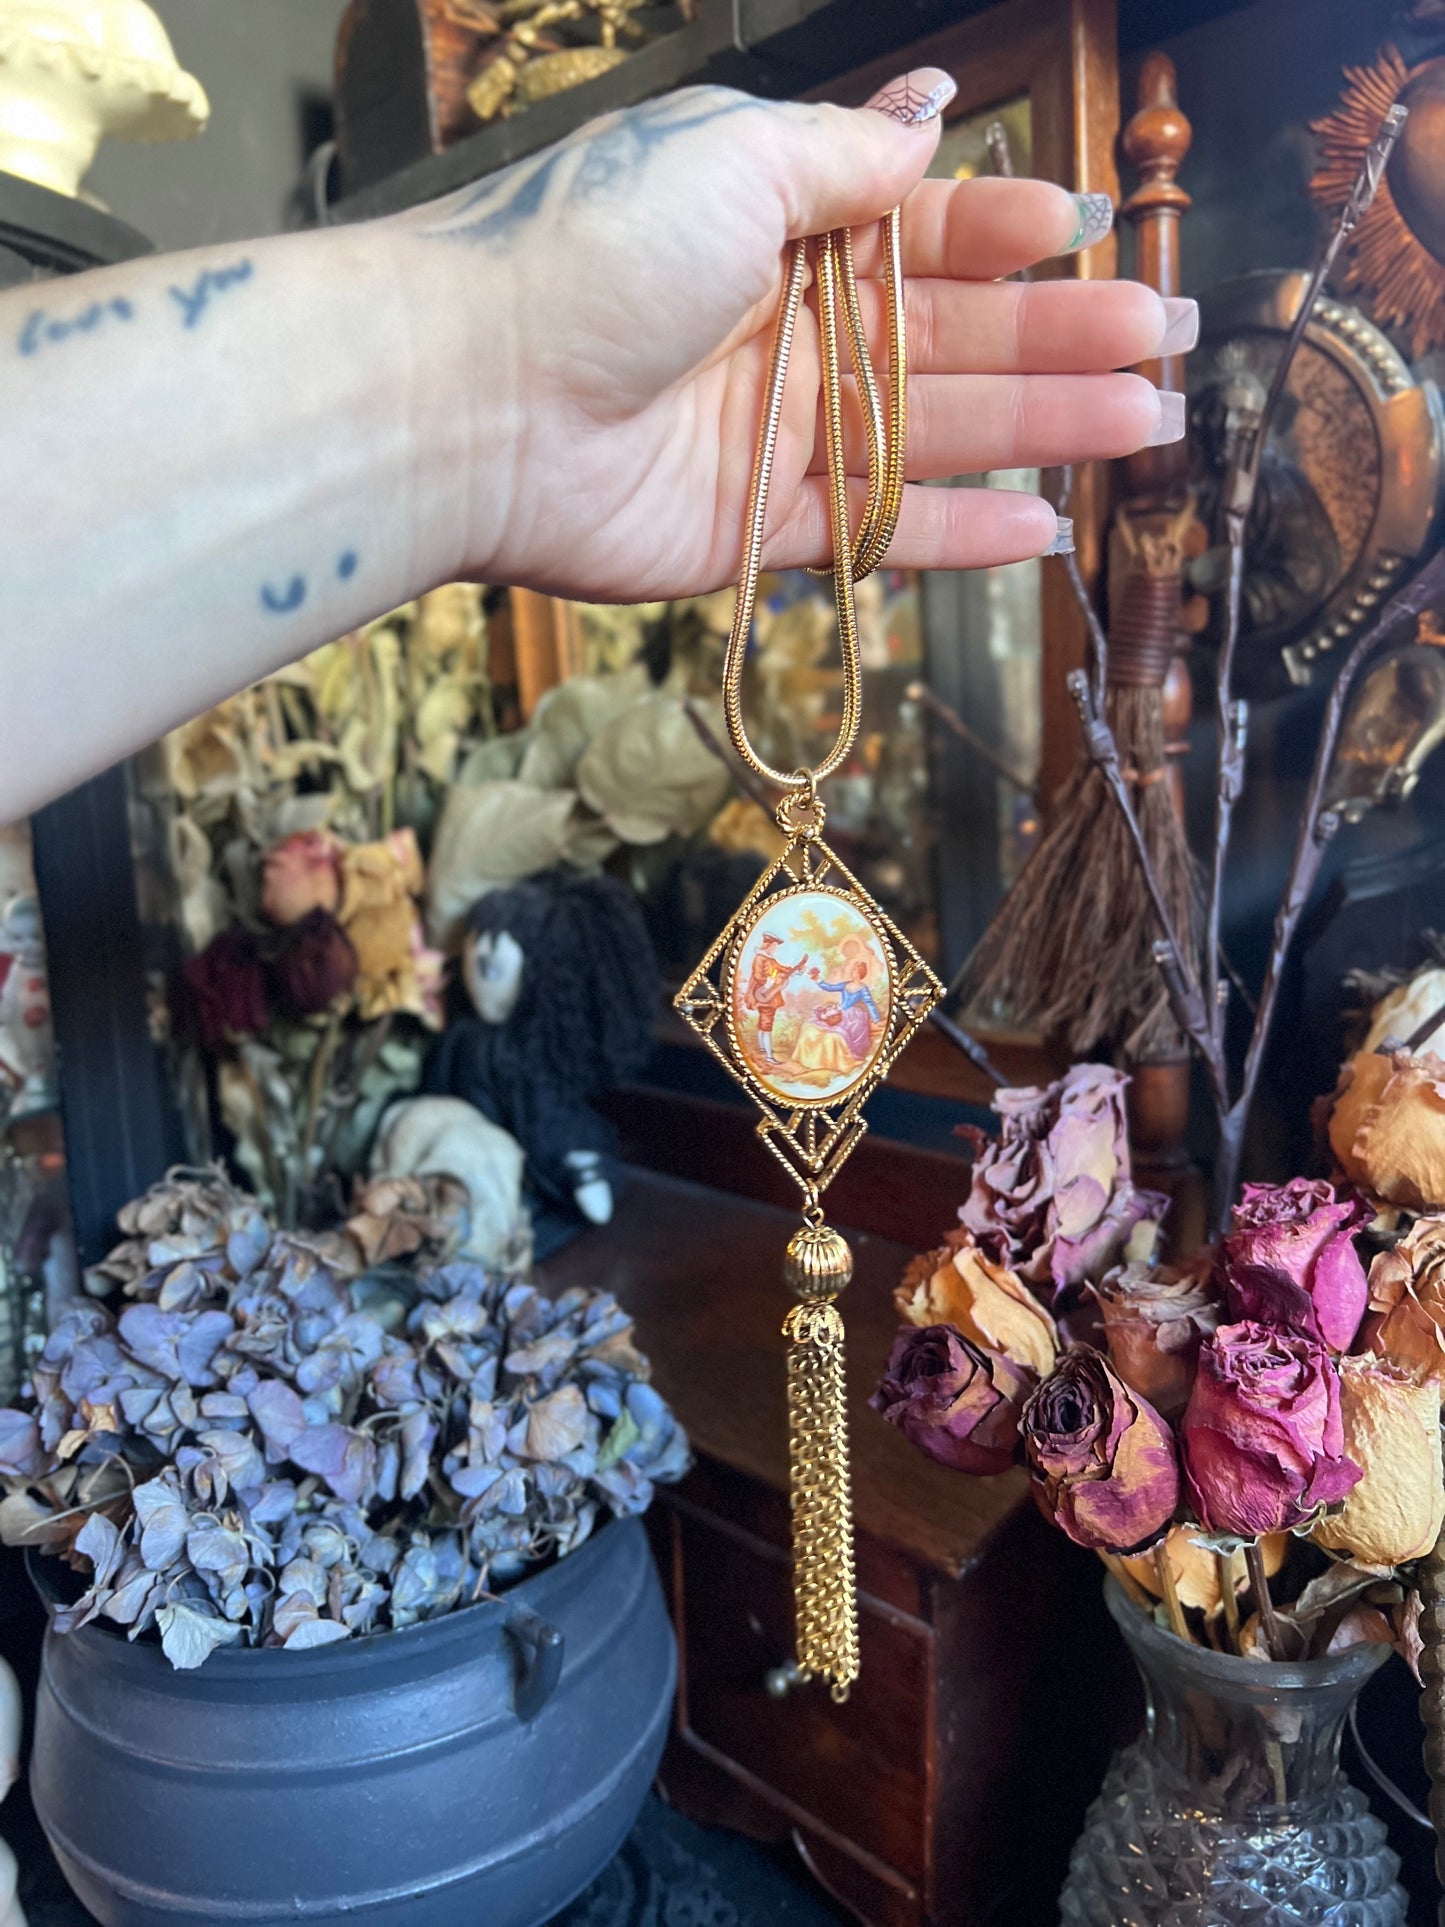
1396, 255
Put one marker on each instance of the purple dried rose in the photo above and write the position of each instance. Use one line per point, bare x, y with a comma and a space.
1052, 1198
314, 965
1104, 1463
1262, 1437
953, 1399
1291, 1261
227, 982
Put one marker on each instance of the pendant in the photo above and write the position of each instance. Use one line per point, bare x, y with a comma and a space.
807, 998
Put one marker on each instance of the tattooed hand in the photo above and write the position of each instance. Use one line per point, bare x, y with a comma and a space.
629, 279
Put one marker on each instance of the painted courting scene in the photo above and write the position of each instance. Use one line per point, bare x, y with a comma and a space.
811, 994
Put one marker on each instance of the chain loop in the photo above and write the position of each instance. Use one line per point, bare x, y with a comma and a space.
886, 442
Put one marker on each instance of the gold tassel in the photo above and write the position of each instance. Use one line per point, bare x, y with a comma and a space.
827, 1617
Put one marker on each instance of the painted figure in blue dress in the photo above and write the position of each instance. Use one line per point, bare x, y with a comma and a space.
859, 1013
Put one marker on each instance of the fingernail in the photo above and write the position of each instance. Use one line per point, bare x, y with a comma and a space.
1171, 419
1181, 325
1096, 217
915, 97
1063, 542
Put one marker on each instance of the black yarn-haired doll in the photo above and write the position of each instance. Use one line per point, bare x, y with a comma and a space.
563, 984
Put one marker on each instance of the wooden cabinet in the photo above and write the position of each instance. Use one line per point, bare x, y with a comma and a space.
946, 1791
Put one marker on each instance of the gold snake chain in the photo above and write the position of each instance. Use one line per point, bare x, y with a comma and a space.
886, 443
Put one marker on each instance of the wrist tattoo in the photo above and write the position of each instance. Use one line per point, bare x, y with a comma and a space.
41, 328
289, 596
194, 301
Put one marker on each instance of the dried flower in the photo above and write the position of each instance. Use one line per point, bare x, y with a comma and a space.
314, 967
1196, 1568
648, 775
1262, 1438
952, 1399
378, 913
1387, 1127
245, 1456
1392, 1432
300, 874
985, 1301
1053, 1195
1291, 1260
1104, 1464
1407, 1300
227, 983
1154, 1319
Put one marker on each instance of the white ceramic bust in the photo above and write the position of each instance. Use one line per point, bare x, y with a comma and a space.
73, 71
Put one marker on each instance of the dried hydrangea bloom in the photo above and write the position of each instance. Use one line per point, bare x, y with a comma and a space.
246, 1455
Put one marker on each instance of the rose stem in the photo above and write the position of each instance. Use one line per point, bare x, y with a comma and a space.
1127, 1580
1268, 1618
1178, 1624
1225, 1563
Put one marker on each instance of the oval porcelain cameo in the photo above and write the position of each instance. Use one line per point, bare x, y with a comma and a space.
810, 996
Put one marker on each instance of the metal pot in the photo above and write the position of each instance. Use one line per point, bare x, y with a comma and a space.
474, 1771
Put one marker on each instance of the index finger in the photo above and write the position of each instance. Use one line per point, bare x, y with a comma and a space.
983, 229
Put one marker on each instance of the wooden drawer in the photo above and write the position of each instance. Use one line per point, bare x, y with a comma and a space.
860, 1770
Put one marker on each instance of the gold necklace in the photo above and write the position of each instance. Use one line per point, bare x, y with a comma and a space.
810, 966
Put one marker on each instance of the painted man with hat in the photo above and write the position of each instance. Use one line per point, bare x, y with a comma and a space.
767, 987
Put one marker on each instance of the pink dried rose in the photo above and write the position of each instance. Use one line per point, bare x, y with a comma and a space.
1262, 1436
1155, 1317
227, 983
1104, 1462
1053, 1198
300, 874
1291, 1261
953, 1399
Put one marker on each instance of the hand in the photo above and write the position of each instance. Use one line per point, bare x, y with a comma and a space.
628, 281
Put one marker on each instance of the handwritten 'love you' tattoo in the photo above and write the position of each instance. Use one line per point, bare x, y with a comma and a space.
195, 300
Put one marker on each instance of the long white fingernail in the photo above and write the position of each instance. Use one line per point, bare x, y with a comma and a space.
1171, 419
1096, 217
1063, 542
1181, 325
916, 97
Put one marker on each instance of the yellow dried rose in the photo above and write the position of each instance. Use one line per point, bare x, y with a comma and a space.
1196, 1569
378, 884
985, 1301
1387, 1127
1392, 1432
1407, 1304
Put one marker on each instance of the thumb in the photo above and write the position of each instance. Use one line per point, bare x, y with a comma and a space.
842, 166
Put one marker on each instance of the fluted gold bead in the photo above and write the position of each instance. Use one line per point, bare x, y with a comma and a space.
819, 1262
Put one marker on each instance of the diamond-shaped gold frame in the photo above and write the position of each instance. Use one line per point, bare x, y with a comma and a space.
811, 1138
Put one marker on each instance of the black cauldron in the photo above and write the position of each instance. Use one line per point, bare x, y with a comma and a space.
474, 1771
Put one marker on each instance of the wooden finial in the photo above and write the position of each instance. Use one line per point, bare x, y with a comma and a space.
1156, 141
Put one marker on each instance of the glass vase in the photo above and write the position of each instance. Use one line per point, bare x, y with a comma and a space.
1230, 1809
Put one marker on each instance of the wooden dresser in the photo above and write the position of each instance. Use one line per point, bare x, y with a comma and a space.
946, 1792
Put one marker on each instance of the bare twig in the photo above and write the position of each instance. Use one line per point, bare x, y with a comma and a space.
972, 1049
1224, 1563
1240, 487
1275, 1642
919, 692
1317, 829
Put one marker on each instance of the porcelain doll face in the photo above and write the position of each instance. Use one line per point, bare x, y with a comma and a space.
492, 967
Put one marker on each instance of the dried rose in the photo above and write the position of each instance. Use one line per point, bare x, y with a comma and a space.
1291, 1260
227, 983
1262, 1438
986, 1302
1154, 1319
952, 1399
300, 874
1195, 1568
1388, 1127
315, 965
378, 913
1407, 1300
1104, 1464
1392, 1432
1054, 1194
